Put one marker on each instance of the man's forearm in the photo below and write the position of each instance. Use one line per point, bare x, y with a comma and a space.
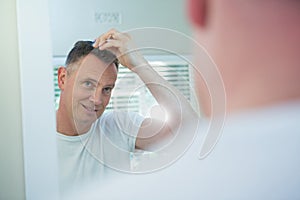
173, 102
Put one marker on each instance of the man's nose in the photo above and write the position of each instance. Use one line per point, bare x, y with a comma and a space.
96, 97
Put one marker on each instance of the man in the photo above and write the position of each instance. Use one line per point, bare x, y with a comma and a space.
90, 140
256, 45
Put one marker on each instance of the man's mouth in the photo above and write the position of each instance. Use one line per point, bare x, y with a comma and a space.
90, 109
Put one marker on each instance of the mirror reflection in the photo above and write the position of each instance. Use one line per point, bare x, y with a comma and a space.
122, 101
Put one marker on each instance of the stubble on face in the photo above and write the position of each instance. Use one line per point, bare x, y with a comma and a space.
93, 80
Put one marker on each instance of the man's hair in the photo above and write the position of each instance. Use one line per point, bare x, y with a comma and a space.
83, 48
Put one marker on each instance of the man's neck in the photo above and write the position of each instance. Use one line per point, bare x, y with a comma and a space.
66, 126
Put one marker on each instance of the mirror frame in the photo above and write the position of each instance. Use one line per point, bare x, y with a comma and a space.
37, 100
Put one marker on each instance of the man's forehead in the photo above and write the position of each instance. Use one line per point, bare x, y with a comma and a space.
93, 67
91, 61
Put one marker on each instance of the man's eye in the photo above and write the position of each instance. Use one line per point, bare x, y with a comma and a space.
88, 84
107, 90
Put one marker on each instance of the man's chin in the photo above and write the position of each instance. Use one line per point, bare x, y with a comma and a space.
83, 126
87, 119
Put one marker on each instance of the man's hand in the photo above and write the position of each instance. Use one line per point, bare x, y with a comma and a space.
153, 134
122, 46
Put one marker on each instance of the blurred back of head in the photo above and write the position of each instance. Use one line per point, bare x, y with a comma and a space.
255, 44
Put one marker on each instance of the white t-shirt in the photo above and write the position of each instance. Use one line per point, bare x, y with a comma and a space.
91, 157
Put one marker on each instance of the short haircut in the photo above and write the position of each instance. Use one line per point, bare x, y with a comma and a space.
83, 48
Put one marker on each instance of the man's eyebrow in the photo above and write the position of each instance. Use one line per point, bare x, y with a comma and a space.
91, 79
97, 82
110, 85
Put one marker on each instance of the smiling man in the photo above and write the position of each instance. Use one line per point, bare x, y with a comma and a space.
88, 139
86, 87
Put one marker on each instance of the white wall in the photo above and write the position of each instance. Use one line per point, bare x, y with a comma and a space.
27, 144
72, 20
11, 156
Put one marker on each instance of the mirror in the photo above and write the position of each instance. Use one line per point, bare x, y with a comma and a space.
71, 21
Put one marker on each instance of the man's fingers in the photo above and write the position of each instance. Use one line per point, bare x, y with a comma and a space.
97, 42
110, 43
111, 34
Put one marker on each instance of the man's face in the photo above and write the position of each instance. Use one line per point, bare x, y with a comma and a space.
88, 90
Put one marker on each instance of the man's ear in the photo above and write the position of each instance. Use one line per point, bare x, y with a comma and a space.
197, 12
61, 77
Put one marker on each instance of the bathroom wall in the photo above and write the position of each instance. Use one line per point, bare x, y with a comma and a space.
72, 20
11, 156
